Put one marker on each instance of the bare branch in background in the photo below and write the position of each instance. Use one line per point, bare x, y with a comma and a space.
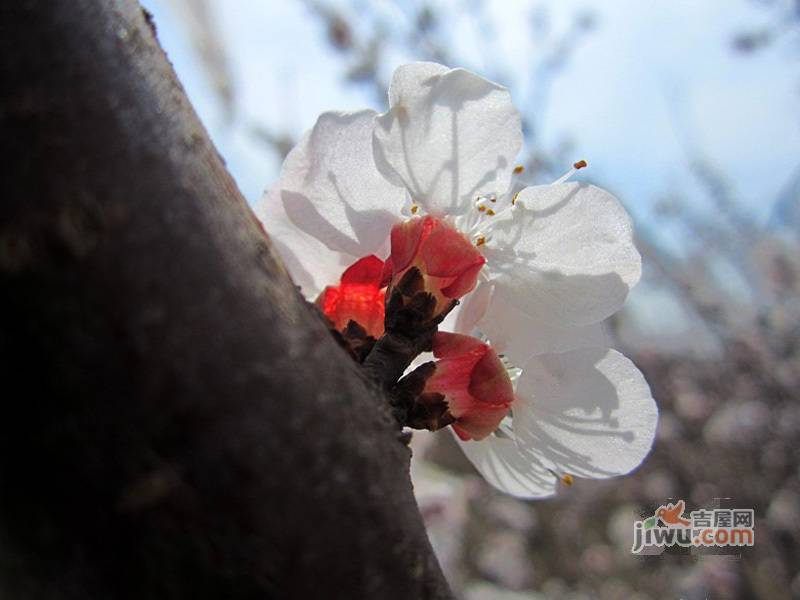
199, 21
783, 19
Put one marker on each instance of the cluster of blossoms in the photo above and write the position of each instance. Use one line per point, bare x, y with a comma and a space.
420, 209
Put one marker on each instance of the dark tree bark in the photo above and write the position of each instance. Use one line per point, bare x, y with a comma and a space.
177, 423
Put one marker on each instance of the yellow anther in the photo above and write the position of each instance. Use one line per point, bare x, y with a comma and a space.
518, 169
480, 241
514, 199
482, 208
566, 478
490, 212
414, 209
580, 164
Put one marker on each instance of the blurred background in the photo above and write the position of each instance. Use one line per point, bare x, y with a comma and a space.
689, 111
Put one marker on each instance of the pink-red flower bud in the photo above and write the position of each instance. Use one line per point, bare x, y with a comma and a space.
359, 297
448, 262
473, 381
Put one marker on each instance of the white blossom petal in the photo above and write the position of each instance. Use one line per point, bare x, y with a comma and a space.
448, 136
589, 412
311, 264
565, 255
519, 335
332, 190
464, 317
509, 468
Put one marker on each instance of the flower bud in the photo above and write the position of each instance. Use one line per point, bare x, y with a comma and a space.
448, 263
474, 384
359, 297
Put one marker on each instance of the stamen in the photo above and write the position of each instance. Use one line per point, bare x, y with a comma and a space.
480, 241
414, 209
575, 168
566, 478
515, 186
484, 226
474, 226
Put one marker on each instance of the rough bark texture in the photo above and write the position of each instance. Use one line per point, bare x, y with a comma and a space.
176, 422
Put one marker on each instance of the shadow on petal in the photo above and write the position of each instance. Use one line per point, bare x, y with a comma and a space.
371, 227
587, 412
509, 468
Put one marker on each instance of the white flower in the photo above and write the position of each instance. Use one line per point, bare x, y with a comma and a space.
559, 260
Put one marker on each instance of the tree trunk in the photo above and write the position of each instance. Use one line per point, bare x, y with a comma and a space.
177, 423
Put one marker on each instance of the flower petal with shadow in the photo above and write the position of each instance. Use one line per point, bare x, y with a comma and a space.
509, 468
331, 189
448, 136
565, 255
587, 412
